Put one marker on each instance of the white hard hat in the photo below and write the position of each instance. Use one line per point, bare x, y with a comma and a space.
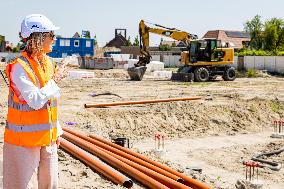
36, 23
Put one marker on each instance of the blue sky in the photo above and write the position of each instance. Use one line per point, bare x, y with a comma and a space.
102, 17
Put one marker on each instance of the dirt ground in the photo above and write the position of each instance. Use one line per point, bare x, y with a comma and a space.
231, 123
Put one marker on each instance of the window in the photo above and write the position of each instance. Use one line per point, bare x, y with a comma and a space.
88, 43
203, 44
61, 42
64, 42
76, 43
213, 44
67, 42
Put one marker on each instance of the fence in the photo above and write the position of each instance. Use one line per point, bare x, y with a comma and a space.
274, 64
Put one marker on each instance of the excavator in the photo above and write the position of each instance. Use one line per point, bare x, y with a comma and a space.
202, 60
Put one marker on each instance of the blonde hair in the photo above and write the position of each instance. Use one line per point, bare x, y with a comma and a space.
35, 45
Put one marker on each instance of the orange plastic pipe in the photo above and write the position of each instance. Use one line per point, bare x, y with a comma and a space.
143, 178
157, 176
100, 167
126, 155
187, 180
92, 105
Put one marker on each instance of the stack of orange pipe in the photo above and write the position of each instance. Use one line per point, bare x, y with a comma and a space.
96, 164
146, 171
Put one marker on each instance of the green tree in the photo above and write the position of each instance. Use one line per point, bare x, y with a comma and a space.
88, 35
15, 50
274, 34
164, 48
255, 28
95, 40
128, 42
136, 41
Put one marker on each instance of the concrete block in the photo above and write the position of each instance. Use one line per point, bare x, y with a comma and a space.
279, 67
249, 62
155, 66
131, 62
156, 58
235, 65
166, 60
259, 62
80, 74
162, 74
177, 61
269, 63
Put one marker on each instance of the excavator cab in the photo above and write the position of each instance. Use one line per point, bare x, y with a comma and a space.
207, 50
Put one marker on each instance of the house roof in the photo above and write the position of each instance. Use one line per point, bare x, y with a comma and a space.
233, 38
237, 34
117, 42
76, 35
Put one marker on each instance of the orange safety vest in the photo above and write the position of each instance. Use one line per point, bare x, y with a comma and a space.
26, 126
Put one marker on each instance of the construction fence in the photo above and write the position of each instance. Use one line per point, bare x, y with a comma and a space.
273, 64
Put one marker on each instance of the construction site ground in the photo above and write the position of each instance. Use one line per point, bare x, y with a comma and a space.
231, 123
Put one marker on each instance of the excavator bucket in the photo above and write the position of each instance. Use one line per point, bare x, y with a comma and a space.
136, 73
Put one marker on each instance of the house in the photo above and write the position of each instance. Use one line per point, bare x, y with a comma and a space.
2, 43
234, 39
72, 46
119, 40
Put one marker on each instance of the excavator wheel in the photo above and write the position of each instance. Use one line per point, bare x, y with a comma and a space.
136, 73
229, 74
201, 74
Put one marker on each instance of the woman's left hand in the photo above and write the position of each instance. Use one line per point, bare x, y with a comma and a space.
61, 72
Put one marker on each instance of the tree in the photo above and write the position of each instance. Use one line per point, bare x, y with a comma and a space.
274, 34
136, 41
15, 50
128, 42
164, 48
270, 37
95, 40
255, 28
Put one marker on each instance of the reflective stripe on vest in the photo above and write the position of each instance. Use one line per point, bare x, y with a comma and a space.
32, 128
30, 66
26, 107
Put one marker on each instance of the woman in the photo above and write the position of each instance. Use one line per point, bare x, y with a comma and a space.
31, 135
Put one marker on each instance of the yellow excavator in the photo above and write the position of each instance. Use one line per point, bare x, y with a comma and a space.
203, 59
